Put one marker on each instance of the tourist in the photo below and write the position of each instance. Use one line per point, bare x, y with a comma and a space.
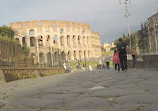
100, 63
116, 60
107, 59
133, 53
121, 47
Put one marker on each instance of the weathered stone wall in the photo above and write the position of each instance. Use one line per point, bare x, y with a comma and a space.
12, 74
47, 38
149, 61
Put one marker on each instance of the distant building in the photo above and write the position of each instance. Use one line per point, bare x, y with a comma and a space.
107, 47
153, 32
53, 42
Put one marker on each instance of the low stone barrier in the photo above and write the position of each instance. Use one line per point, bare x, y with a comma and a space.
147, 61
12, 74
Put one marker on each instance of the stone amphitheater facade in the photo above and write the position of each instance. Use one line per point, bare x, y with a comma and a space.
52, 42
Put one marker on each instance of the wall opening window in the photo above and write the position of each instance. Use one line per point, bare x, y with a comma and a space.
55, 39
74, 40
23, 25
68, 40
62, 41
39, 23
61, 31
54, 25
32, 32
67, 24
48, 37
24, 41
32, 41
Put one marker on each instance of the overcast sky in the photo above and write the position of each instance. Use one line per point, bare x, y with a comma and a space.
104, 16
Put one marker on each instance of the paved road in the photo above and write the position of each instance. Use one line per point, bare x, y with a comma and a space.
100, 90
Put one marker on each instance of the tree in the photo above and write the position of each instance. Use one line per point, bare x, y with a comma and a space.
6, 31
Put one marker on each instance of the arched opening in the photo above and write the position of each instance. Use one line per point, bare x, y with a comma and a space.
55, 39
84, 54
79, 40
69, 55
32, 41
49, 59
74, 40
39, 23
31, 32
89, 54
33, 58
88, 40
48, 37
84, 38
61, 31
40, 40
63, 56
68, 40
56, 57
54, 25
80, 55
75, 55
24, 41
62, 40
41, 59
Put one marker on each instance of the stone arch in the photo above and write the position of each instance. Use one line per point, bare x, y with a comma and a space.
63, 56
68, 40
74, 54
48, 37
55, 39
74, 39
41, 59
49, 59
89, 53
69, 55
80, 55
31, 32
79, 40
56, 57
24, 41
32, 41
40, 40
61, 31
62, 40
88, 40
84, 40
84, 54
33, 58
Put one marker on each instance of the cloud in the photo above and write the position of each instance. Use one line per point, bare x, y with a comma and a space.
105, 16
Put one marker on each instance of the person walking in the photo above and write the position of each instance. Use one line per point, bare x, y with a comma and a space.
121, 47
133, 53
116, 60
107, 59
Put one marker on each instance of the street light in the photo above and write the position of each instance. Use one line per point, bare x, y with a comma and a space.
127, 16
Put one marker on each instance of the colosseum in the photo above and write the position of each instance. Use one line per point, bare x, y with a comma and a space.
52, 42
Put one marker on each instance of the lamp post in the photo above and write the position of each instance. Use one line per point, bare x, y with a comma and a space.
127, 17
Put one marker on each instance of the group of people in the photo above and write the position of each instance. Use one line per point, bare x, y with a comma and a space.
120, 56
102, 65
119, 59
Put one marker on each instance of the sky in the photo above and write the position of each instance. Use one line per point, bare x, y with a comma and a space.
104, 16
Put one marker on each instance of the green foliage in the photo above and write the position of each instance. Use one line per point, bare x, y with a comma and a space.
6, 31
124, 39
25, 50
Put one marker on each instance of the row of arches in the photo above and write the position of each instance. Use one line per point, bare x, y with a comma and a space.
68, 40
56, 57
